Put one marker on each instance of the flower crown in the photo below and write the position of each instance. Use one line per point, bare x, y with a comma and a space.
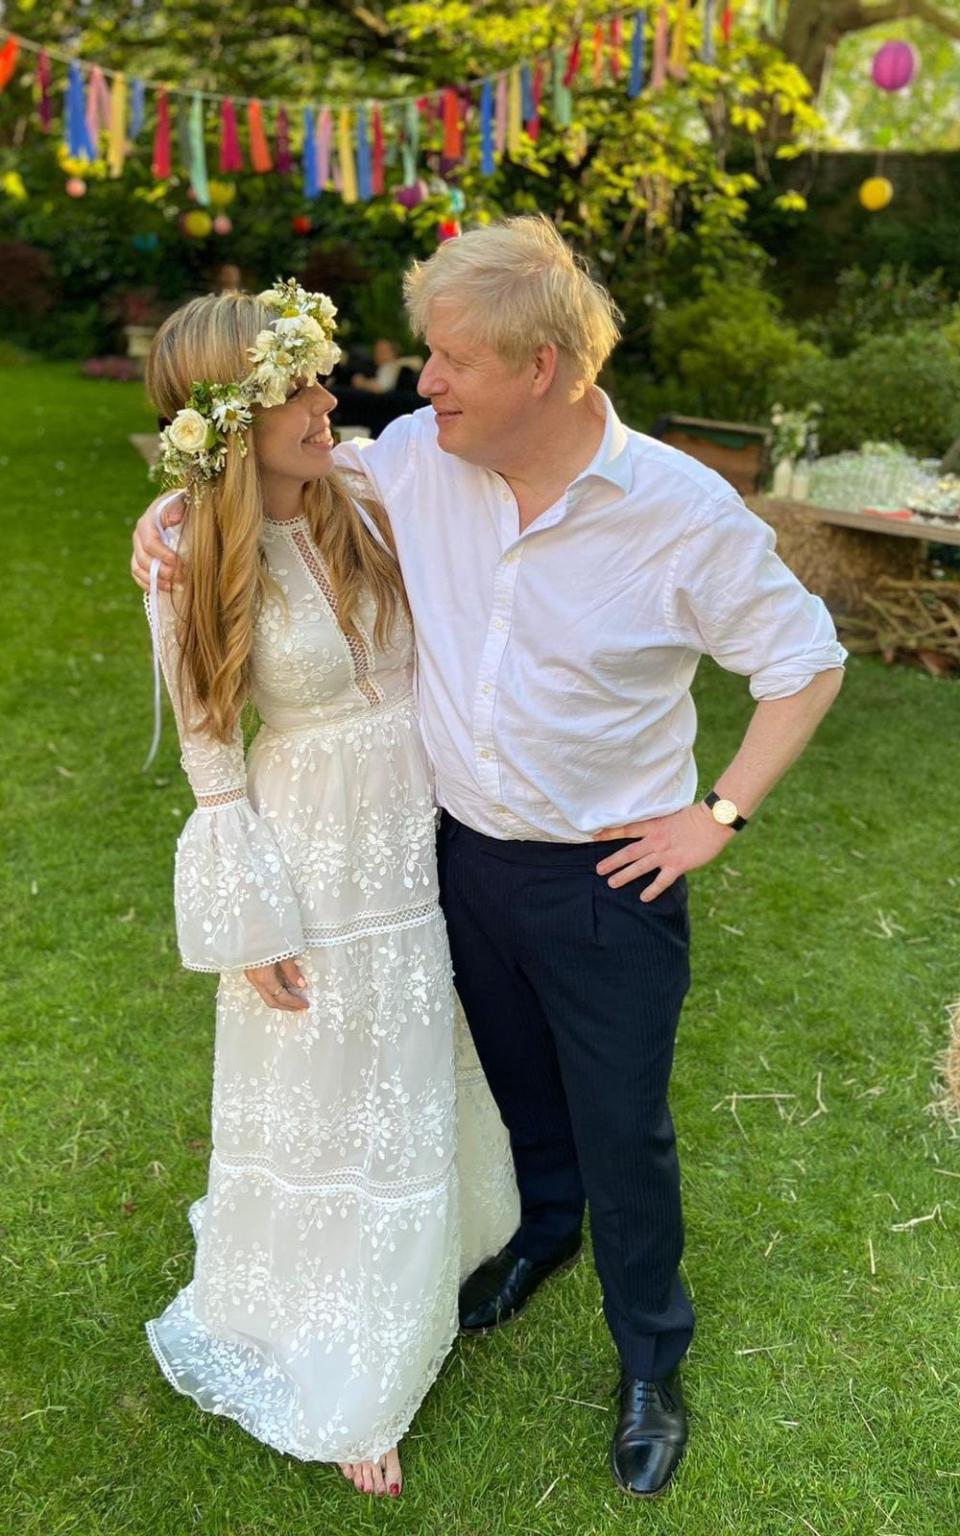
296, 348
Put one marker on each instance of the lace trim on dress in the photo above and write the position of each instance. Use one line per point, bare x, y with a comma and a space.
248, 965
345, 1181
319, 935
222, 797
360, 654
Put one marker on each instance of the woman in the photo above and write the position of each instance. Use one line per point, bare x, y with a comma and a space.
329, 1244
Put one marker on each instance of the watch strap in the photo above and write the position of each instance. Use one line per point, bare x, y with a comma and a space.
710, 801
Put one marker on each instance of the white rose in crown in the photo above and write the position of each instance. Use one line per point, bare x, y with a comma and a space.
299, 326
188, 431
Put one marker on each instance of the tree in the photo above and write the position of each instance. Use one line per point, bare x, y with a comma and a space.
812, 29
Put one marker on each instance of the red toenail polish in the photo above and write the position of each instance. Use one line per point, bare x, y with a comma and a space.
395, 1489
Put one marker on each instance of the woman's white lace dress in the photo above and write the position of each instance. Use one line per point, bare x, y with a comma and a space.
338, 1219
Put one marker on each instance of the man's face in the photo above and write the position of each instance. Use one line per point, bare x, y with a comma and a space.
481, 404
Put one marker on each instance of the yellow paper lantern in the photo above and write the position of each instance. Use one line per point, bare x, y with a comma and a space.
222, 194
197, 224
876, 193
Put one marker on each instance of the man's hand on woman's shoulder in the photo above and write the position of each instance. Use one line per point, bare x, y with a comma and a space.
148, 545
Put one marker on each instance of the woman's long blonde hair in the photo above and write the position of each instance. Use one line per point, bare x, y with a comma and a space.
226, 575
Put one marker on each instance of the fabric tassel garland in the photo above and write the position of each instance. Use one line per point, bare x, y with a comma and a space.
198, 153
348, 169
616, 43
536, 90
117, 140
379, 150
487, 163
9, 54
500, 134
573, 65
452, 134
310, 183
364, 177
708, 51
44, 105
635, 85
679, 43
661, 46
183, 131
231, 160
79, 142
324, 146
726, 23
98, 106
260, 159
527, 108
410, 148
284, 157
514, 113
137, 105
161, 163
562, 98
598, 55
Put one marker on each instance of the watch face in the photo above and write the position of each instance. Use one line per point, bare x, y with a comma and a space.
725, 812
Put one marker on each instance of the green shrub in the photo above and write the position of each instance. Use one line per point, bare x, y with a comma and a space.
719, 355
872, 303
903, 388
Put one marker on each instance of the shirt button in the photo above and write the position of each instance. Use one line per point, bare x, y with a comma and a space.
499, 624
487, 688
504, 495
486, 755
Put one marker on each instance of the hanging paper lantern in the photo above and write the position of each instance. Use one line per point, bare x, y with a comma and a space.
894, 66
301, 224
196, 224
448, 229
222, 193
876, 193
222, 225
412, 196
76, 187
146, 242
457, 201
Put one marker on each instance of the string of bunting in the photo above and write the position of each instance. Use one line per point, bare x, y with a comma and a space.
346, 147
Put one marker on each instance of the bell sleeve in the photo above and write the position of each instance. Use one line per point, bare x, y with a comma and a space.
235, 903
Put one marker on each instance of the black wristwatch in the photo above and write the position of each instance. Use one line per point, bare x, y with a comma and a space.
724, 812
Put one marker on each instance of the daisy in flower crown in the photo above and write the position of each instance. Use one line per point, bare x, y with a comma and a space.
294, 348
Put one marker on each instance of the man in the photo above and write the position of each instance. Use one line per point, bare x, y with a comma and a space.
565, 575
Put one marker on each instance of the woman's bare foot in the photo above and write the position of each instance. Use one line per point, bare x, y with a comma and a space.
380, 1477
346, 1467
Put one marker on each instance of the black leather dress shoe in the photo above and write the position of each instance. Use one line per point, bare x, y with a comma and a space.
499, 1290
650, 1436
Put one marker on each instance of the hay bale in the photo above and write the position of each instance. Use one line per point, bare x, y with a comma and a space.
951, 1063
842, 565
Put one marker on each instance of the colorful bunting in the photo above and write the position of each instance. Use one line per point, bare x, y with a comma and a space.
487, 162
562, 96
161, 164
9, 54
284, 157
260, 159
364, 176
635, 85
231, 160
452, 134
502, 108
44, 106
616, 43
198, 153
117, 130
348, 170
379, 152
79, 143
598, 55
573, 64
679, 43
708, 50
410, 147
661, 47
324, 146
137, 95
514, 112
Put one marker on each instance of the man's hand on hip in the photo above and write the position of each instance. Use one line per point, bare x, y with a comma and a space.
671, 844
148, 545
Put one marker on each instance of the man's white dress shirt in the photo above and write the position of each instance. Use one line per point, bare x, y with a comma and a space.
554, 665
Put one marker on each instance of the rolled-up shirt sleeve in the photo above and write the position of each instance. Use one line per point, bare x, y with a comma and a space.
740, 604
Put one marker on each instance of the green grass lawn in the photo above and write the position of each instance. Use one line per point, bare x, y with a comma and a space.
822, 1197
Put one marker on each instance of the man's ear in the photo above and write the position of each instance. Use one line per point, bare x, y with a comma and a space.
545, 362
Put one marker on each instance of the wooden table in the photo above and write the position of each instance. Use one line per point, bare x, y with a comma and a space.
841, 554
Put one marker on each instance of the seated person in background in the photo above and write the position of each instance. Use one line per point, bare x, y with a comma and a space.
386, 355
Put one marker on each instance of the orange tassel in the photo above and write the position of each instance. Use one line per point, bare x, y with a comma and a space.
260, 159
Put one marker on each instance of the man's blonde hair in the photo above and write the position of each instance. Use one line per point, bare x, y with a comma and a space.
518, 286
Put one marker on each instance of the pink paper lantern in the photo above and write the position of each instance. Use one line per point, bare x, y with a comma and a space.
222, 225
76, 187
894, 66
412, 196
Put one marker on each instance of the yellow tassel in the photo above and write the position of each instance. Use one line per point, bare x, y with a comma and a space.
117, 132
348, 168
679, 43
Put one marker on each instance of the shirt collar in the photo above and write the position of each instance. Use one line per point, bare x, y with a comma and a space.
611, 461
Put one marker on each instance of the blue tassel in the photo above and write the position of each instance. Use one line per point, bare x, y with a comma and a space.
636, 56
364, 168
136, 108
487, 162
311, 182
528, 107
79, 142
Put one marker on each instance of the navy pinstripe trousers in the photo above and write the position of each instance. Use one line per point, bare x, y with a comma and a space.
573, 992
